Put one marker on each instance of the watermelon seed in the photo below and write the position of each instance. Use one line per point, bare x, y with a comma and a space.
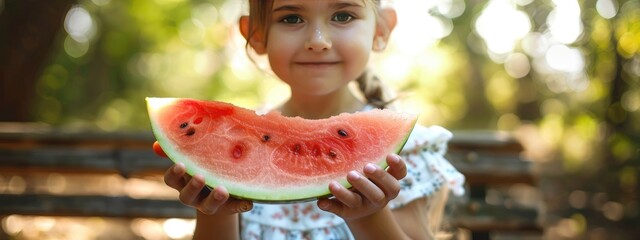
191, 131
296, 148
316, 151
184, 125
342, 133
332, 154
237, 151
266, 138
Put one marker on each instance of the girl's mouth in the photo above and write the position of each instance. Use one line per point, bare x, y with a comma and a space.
317, 64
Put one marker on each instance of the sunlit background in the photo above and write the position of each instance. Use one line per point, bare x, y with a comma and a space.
560, 75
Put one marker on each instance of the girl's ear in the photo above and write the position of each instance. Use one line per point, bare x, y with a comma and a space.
255, 40
386, 22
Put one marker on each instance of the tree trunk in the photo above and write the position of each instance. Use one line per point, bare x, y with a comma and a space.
27, 32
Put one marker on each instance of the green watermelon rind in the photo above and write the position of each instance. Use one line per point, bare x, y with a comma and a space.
238, 190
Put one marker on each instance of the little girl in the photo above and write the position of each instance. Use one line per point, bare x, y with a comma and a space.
318, 47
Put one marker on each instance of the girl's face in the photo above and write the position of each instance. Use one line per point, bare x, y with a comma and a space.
318, 46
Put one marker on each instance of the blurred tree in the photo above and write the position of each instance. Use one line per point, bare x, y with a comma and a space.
27, 30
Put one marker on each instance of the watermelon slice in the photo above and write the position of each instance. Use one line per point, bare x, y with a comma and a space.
273, 158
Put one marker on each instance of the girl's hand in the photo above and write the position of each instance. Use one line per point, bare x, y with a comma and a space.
194, 193
370, 192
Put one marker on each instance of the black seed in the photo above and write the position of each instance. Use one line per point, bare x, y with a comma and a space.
266, 138
184, 125
332, 154
191, 131
342, 133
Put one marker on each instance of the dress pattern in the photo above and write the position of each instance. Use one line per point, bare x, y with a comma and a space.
427, 171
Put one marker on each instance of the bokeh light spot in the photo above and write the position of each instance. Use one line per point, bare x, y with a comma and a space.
563, 58
501, 24
517, 65
178, 228
74, 48
79, 24
578, 199
565, 22
613, 211
607, 8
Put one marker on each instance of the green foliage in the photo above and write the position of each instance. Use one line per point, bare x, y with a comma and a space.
135, 49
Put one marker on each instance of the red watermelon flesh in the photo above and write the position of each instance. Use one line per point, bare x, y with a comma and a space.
273, 158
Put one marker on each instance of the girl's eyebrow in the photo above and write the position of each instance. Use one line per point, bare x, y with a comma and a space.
340, 5
336, 5
287, 8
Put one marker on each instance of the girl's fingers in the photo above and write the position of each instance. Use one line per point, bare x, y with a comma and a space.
384, 181
397, 167
347, 197
332, 205
214, 200
191, 191
174, 176
158, 150
219, 201
237, 206
367, 188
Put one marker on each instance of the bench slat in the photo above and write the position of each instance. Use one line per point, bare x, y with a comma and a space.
477, 216
84, 206
126, 162
480, 216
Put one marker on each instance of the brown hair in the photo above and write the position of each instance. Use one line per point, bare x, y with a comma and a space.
373, 90
259, 19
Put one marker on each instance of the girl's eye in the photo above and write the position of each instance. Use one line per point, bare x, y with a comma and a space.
291, 19
342, 17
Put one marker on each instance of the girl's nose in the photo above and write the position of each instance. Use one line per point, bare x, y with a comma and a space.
318, 41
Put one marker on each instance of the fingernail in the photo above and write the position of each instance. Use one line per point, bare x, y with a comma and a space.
395, 158
218, 196
244, 207
354, 175
323, 205
197, 180
369, 168
178, 168
333, 186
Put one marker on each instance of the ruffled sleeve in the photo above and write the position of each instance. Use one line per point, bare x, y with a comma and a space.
427, 168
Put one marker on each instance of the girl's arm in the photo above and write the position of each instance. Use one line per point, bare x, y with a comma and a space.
407, 222
364, 208
216, 227
413, 218
379, 225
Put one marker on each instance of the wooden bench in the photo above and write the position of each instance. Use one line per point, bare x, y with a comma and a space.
490, 161
496, 174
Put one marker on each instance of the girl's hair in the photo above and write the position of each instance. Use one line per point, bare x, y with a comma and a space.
373, 90
370, 85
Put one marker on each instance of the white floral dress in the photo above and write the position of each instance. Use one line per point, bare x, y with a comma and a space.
427, 170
